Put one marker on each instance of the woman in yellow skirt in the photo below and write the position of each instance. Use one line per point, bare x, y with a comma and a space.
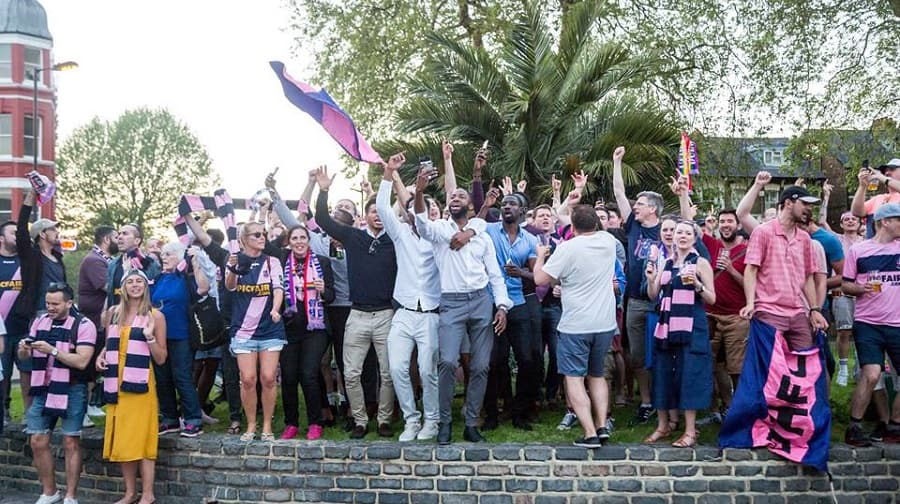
135, 335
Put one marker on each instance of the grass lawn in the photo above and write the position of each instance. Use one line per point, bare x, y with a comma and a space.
544, 430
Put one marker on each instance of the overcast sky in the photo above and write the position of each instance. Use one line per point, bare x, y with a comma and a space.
206, 62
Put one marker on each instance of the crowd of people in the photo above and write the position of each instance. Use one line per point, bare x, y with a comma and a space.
413, 299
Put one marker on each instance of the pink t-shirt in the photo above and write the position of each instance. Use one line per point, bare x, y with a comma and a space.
784, 264
870, 260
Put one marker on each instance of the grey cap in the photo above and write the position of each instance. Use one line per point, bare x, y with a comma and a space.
886, 211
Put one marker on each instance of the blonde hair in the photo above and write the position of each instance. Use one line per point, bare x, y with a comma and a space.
143, 304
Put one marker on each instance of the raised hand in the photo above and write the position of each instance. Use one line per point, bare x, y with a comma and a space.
395, 162
580, 180
491, 197
270, 179
762, 178
800, 182
480, 161
618, 154
574, 197
447, 149
555, 183
323, 179
521, 186
424, 177
826, 189
365, 186
507, 186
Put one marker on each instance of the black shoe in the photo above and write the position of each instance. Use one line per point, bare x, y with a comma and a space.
854, 436
644, 413
521, 424
591, 442
385, 430
445, 433
603, 434
208, 408
878, 432
359, 432
349, 424
472, 435
490, 423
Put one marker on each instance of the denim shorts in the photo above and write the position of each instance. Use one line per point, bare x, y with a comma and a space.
11, 356
583, 354
212, 353
246, 346
36, 422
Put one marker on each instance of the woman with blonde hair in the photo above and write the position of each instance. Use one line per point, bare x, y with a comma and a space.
256, 281
136, 334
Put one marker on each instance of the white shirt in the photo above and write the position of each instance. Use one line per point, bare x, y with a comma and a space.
469, 268
418, 282
585, 266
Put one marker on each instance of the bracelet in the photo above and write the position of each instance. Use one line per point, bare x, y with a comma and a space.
233, 270
151, 341
815, 308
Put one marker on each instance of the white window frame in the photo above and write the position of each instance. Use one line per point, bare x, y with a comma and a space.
25, 136
6, 62
6, 122
6, 194
773, 157
31, 67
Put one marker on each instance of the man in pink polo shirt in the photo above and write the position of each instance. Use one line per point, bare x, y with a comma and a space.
779, 273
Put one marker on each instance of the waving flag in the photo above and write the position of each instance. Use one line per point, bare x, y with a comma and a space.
781, 402
322, 108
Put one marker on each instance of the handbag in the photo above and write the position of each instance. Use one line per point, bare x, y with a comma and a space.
205, 324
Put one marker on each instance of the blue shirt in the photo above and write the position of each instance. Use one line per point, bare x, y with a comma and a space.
518, 253
171, 296
640, 240
833, 250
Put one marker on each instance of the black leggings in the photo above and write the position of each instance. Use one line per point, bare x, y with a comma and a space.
300, 364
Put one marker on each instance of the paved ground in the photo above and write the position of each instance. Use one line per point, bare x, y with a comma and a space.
16, 497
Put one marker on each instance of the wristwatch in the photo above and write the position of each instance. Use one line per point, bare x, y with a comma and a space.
54, 352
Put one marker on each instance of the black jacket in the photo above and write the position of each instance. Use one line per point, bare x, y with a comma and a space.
32, 264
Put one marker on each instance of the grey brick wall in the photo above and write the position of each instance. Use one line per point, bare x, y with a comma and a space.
190, 470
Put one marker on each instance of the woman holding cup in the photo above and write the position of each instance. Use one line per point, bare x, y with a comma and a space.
683, 360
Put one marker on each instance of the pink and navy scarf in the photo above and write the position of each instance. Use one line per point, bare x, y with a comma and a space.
312, 271
49, 376
136, 375
221, 203
676, 304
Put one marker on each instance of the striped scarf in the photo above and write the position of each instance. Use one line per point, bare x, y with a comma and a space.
49, 376
136, 375
676, 305
220, 202
312, 270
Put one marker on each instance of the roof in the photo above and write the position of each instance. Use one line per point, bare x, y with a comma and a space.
745, 157
27, 17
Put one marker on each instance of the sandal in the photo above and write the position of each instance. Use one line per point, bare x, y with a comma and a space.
657, 436
687, 440
248, 436
234, 428
267, 436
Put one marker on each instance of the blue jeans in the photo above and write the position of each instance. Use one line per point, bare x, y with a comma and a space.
174, 375
39, 422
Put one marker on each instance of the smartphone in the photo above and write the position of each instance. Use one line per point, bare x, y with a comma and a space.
865, 164
484, 146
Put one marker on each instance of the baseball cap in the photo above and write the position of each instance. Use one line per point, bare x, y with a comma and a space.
886, 211
795, 193
890, 165
41, 225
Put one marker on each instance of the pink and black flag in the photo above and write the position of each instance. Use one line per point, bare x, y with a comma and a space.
322, 108
781, 402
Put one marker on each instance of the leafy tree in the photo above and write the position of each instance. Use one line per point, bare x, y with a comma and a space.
130, 170
547, 101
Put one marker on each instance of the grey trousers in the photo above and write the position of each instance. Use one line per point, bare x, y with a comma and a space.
461, 314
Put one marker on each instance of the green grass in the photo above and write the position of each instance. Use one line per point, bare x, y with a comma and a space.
544, 432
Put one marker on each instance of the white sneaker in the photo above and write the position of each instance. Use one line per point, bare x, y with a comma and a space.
842, 376
429, 431
87, 423
94, 411
70, 501
410, 431
49, 499
569, 420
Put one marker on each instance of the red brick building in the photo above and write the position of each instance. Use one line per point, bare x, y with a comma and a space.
25, 45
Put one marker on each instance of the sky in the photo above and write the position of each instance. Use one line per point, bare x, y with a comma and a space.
207, 63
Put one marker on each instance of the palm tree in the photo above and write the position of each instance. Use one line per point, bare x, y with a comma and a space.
547, 104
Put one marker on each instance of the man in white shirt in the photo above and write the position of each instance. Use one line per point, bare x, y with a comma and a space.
582, 266
417, 293
467, 261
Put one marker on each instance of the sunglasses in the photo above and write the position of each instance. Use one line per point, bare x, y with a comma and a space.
374, 246
256, 234
57, 286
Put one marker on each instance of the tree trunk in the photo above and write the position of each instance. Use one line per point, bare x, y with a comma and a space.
465, 20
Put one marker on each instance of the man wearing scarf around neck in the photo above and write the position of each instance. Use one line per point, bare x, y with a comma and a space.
60, 346
129, 241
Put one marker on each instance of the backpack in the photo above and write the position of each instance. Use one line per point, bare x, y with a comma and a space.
206, 327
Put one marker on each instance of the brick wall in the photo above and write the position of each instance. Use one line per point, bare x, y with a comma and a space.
191, 469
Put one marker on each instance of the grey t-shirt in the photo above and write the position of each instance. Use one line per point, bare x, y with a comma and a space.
53, 272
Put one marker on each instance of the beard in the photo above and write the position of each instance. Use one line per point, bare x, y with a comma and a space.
113, 248
730, 238
459, 213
